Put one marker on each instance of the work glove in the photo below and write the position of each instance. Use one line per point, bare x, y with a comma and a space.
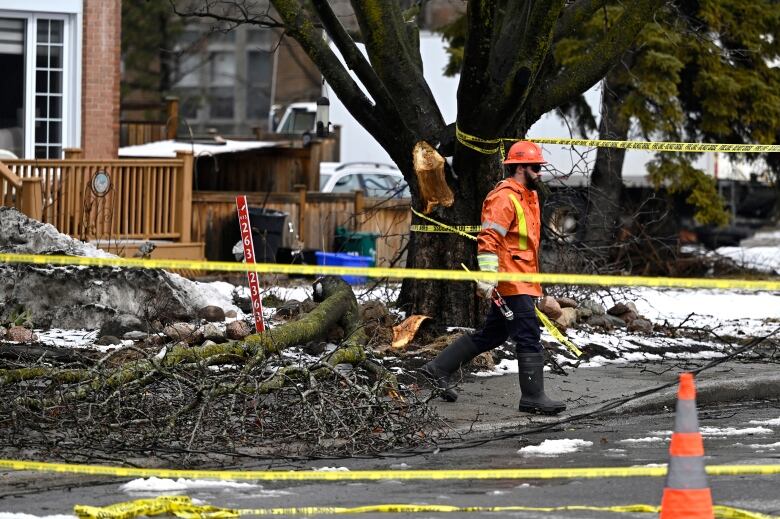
488, 262
485, 289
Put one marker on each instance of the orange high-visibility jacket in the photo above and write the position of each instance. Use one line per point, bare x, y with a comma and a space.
511, 229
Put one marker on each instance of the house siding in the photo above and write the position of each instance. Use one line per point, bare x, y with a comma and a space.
101, 52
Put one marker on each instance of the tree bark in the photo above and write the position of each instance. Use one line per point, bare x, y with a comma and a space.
606, 182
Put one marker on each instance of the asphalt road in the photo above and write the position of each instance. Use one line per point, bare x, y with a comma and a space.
45, 494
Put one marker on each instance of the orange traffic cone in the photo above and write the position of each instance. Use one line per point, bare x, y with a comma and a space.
686, 494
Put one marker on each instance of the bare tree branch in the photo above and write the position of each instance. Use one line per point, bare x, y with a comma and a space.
603, 54
396, 63
355, 60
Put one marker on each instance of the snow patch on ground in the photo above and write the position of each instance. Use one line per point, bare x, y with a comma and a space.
773, 421
330, 469
154, 484
17, 515
765, 259
67, 338
764, 446
733, 431
649, 439
555, 447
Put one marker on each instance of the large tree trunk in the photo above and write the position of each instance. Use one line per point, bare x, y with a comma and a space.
606, 182
452, 303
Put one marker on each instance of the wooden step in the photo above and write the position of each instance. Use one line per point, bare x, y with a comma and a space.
163, 249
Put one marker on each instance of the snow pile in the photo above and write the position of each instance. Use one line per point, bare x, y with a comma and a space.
555, 447
215, 293
70, 297
154, 484
22, 235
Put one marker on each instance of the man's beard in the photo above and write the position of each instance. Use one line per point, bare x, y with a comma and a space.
537, 185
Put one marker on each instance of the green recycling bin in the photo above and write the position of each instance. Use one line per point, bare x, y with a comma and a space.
358, 242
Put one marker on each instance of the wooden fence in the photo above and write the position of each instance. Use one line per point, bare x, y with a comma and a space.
314, 217
146, 199
163, 125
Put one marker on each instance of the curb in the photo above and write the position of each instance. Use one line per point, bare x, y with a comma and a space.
758, 387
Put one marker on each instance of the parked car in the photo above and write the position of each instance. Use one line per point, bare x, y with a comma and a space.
297, 118
374, 179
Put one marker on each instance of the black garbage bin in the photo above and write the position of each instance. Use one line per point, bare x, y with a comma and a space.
267, 228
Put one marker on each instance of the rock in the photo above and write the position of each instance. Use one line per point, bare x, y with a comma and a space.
640, 325
238, 330
568, 317
232, 314
108, 340
184, 332
619, 309
294, 308
566, 302
213, 333
599, 321
550, 307
135, 336
617, 322
594, 307
212, 314
155, 340
272, 301
314, 348
628, 317
207, 343
377, 322
2, 332
633, 308
121, 324
484, 361
20, 334
583, 313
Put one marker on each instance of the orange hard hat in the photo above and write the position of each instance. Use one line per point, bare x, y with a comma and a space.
524, 152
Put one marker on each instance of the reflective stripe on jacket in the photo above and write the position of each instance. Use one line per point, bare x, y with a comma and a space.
511, 229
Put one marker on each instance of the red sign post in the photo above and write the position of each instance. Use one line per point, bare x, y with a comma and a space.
249, 257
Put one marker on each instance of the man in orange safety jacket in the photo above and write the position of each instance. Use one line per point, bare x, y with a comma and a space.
508, 242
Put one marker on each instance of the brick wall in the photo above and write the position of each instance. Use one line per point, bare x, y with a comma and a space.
100, 78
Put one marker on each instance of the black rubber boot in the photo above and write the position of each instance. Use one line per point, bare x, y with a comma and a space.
439, 370
532, 397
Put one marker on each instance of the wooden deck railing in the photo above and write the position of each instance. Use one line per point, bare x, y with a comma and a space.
147, 199
23, 193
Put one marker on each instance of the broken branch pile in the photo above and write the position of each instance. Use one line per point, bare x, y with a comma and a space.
242, 397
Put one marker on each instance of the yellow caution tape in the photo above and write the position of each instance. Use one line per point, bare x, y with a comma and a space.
437, 228
185, 508
555, 332
491, 146
393, 273
443, 227
375, 475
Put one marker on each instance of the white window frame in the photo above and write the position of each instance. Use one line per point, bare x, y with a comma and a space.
71, 63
